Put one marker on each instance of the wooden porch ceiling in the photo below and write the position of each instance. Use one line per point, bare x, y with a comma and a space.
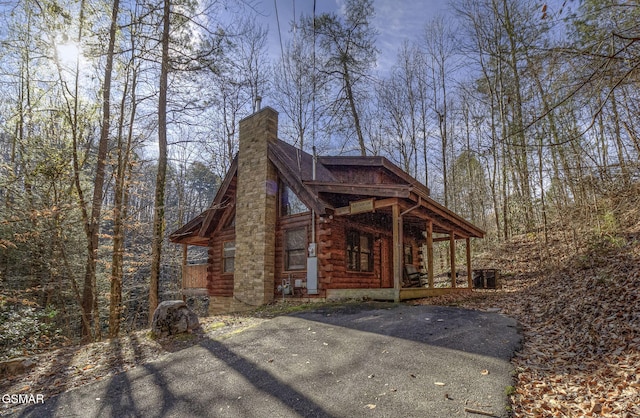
417, 210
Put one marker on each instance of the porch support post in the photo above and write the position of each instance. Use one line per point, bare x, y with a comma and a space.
397, 251
469, 270
430, 253
184, 269
452, 255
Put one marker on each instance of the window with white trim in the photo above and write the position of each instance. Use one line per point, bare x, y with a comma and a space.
295, 249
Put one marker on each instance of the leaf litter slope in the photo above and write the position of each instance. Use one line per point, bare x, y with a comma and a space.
578, 307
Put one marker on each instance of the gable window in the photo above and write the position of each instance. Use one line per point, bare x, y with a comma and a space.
228, 256
290, 204
295, 248
359, 251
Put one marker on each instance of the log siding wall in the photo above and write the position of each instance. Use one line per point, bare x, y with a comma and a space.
332, 262
334, 274
219, 283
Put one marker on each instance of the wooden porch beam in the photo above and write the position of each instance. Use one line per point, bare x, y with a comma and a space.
344, 210
377, 204
423, 211
384, 203
377, 190
459, 223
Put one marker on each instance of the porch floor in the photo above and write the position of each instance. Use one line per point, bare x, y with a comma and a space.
389, 293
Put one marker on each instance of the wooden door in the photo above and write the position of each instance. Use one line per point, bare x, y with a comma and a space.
386, 266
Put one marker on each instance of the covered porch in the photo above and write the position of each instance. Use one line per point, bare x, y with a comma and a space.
409, 210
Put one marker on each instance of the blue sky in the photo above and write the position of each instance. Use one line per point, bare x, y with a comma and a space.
395, 21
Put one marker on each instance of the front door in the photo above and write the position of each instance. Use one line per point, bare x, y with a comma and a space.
386, 266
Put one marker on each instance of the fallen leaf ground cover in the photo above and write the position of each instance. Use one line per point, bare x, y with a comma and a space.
578, 308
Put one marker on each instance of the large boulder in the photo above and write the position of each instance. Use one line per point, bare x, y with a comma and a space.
173, 317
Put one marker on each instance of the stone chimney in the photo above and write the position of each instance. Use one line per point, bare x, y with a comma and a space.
256, 197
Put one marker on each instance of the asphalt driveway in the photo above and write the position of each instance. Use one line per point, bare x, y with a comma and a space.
369, 360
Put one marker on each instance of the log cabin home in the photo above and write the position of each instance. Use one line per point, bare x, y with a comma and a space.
287, 224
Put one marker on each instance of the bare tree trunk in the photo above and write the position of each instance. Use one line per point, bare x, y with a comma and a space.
158, 215
425, 147
88, 218
520, 151
555, 139
115, 300
628, 103
503, 153
352, 107
617, 134
115, 295
543, 202
90, 298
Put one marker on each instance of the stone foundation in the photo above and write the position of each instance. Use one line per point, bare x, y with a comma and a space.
227, 304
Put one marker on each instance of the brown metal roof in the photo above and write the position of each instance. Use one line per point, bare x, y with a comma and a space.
330, 190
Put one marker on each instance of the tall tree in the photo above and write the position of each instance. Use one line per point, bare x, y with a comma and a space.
239, 72
159, 209
399, 99
512, 16
440, 52
52, 141
122, 181
252, 48
605, 44
348, 46
90, 214
90, 296
296, 84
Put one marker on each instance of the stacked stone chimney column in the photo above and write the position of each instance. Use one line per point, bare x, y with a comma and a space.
256, 199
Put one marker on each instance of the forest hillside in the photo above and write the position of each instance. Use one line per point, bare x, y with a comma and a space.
575, 298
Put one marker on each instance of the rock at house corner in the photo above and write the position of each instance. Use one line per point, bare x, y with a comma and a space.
173, 317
